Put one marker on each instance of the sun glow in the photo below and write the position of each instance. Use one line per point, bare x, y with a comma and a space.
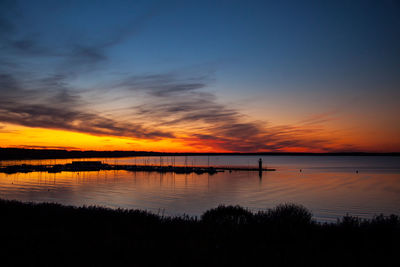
308, 141
27, 137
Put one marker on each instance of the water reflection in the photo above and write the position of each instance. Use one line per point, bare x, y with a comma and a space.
330, 188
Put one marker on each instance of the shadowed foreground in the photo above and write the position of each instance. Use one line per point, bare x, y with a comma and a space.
54, 235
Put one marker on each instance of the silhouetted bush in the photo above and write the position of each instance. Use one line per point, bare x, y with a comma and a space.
54, 235
227, 215
286, 214
385, 221
349, 221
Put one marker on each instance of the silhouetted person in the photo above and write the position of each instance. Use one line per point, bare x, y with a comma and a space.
260, 164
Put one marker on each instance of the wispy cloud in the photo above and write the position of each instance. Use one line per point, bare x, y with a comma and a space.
46, 147
162, 85
202, 121
174, 104
77, 53
48, 100
174, 108
55, 107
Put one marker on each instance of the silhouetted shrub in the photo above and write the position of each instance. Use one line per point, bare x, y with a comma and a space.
227, 215
286, 214
54, 235
349, 221
389, 221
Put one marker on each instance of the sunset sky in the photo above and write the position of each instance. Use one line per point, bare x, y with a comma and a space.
239, 76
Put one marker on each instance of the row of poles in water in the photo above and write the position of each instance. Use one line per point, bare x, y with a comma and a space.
147, 161
151, 161
173, 162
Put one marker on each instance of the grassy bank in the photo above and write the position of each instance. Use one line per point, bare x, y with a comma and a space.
54, 235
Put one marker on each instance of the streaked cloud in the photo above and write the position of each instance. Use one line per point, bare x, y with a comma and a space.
54, 106
67, 84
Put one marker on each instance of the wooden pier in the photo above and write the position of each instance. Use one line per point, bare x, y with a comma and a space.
79, 166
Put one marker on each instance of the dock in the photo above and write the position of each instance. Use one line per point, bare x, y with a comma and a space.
79, 166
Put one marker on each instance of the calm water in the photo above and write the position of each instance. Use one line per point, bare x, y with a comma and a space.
328, 186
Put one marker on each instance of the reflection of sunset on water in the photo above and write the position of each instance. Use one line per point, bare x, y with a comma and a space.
328, 187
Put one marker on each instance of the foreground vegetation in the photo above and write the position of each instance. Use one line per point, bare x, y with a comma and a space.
53, 235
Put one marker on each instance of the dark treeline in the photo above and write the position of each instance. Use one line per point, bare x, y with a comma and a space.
21, 153
55, 235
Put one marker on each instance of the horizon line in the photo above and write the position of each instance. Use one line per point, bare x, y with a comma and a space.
199, 153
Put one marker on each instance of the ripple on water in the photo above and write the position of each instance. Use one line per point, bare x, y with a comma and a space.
328, 186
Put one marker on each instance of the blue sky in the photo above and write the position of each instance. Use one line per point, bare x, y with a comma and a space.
280, 62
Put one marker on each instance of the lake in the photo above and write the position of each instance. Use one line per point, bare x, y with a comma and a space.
330, 186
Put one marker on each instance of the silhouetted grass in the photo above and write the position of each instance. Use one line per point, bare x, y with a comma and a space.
53, 235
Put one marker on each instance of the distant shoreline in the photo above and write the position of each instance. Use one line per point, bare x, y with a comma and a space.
27, 154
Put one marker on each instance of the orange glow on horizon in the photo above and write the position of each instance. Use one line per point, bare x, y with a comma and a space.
27, 137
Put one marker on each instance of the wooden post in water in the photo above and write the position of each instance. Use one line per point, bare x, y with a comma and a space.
260, 165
